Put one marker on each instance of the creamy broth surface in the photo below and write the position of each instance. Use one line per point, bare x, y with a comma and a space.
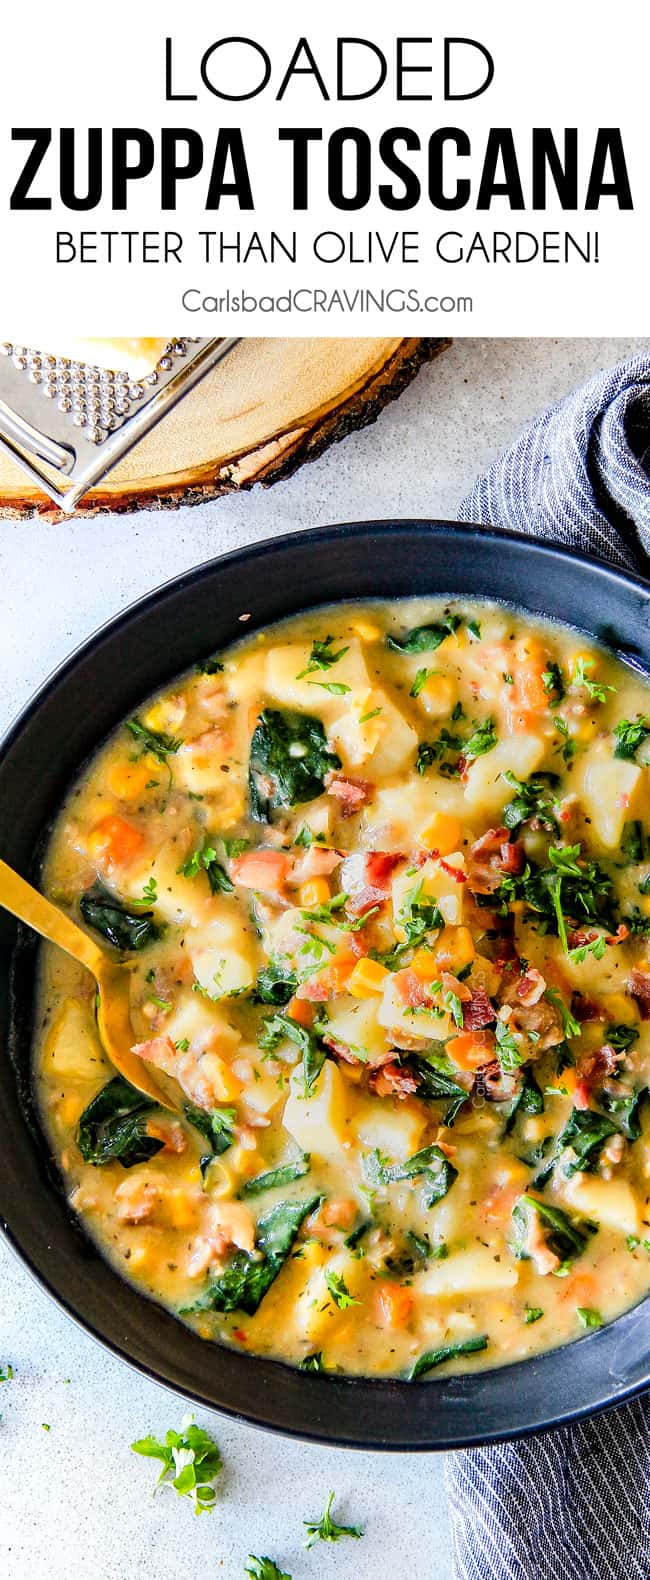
383, 871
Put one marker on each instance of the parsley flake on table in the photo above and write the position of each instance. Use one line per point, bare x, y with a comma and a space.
264, 1569
6, 1373
191, 1463
326, 1529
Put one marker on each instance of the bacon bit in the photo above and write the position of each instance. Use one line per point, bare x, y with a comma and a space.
353, 794
137, 1199
638, 986
531, 987
490, 843
619, 937
451, 984
445, 1146
490, 857
214, 740
513, 858
317, 862
584, 1009
454, 872
580, 937
411, 990
393, 1081
341, 1051
172, 1135
592, 1069
157, 1050
365, 878
263, 869
238, 1333
493, 1084
462, 765
479, 1012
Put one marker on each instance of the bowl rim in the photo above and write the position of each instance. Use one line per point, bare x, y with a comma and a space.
515, 1373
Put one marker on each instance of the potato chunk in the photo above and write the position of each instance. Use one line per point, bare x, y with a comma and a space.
472, 1272
611, 1202
609, 787
72, 1049
486, 791
395, 1128
319, 1123
285, 664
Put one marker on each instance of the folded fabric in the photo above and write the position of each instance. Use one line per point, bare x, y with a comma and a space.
574, 1503
579, 474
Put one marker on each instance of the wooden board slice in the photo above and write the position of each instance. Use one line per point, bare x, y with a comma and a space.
274, 404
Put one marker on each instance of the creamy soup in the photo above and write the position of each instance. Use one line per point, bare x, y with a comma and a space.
383, 872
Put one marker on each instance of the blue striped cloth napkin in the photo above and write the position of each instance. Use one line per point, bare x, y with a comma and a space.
574, 1503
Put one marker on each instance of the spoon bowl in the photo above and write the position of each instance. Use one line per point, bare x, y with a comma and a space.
111, 974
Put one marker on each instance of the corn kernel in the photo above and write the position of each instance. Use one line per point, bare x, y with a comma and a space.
180, 1210
455, 949
156, 717
225, 1085
534, 1128
366, 630
438, 695
425, 966
441, 834
568, 1079
576, 660
316, 891
367, 978
128, 780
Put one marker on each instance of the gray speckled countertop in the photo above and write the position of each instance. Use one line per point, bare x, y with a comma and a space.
74, 1501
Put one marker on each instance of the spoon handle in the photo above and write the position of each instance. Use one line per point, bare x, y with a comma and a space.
31, 907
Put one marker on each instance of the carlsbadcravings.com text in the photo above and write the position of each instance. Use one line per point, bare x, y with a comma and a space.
312, 300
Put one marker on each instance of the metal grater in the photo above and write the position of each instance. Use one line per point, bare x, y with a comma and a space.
67, 423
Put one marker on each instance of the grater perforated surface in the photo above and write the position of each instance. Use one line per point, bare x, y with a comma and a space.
68, 423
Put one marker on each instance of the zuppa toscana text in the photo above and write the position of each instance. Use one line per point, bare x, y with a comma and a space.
384, 875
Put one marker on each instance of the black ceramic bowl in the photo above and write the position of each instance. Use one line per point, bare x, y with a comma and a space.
83, 701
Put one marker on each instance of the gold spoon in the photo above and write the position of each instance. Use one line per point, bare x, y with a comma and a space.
111, 976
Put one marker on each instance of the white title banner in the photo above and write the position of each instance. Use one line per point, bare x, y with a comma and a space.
475, 168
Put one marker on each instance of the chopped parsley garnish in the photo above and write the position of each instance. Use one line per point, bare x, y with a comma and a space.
420, 681
326, 1529
206, 859
306, 837
532, 798
509, 1053
553, 682
339, 1291
567, 748
533, 1313
425, 638
483, 738
588, 1317
629, 735
209, 666
322, 656
596, 689
336, 687
191, 1463
474, 630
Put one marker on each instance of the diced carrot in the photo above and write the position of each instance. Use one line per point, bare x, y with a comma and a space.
470, 1049
425, 965
568, 1079
114, 842
326, 984
394, 1305
581, 1289
300, 1010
